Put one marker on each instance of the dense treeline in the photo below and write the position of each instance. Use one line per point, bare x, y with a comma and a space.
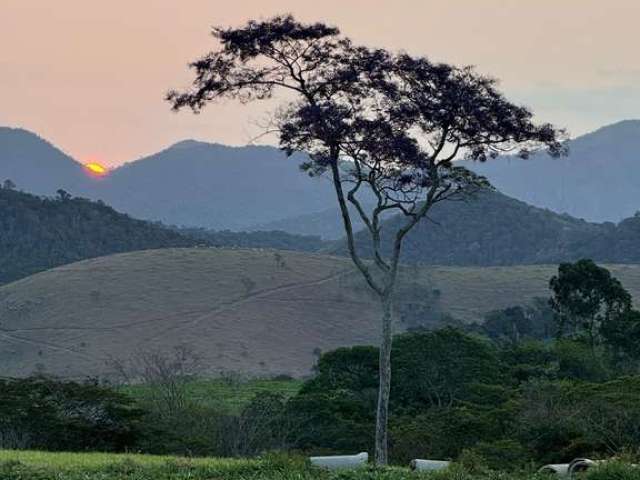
38, 233
527, 385
275, 239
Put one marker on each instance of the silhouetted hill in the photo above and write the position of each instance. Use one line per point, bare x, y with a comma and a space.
37, 166
39, 233
214, 186
599, 180
493, 229
199, 184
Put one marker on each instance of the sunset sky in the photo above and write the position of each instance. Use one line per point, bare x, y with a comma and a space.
90, 75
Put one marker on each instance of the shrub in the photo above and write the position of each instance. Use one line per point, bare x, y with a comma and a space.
44, 413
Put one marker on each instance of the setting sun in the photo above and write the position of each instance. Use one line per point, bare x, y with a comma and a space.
96, 169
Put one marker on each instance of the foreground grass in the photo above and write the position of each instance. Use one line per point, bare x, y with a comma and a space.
230, 395
30, 465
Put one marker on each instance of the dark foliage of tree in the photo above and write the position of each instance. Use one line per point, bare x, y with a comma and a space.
518, 323
587, 298
623, 335
456, 394
431, 372
43, 413
38, 233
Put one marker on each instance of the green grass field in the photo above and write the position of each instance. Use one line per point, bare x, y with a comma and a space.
30, 465
230, 395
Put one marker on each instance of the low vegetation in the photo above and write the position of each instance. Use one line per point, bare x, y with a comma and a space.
230, 393
32, 465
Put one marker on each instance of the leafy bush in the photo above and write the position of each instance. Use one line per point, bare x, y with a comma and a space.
43, 413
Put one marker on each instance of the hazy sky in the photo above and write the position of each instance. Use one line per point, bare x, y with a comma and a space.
90, 75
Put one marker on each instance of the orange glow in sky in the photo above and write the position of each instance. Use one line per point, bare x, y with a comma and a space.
96, 169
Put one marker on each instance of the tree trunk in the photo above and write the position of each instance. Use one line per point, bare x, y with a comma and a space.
384, 387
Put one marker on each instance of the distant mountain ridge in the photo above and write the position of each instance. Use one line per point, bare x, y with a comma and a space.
36, 165
599, 180
199, 184
209, 185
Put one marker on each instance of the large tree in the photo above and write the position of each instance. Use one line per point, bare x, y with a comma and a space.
384, 127
587, 300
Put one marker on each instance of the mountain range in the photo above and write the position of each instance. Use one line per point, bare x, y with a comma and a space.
191, 183
198, 184
599, 180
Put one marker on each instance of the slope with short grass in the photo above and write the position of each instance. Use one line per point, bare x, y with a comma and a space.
257, 312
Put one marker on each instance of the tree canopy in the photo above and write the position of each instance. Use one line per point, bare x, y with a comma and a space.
378, 123
586, 297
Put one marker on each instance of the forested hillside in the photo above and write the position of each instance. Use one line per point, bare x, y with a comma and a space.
40, 233
493, 229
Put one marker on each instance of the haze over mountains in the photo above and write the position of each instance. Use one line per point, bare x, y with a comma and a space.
256, 187
36, 165
599, 181
191, 183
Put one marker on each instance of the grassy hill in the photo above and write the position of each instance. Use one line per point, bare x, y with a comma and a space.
20, 465
258, 312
